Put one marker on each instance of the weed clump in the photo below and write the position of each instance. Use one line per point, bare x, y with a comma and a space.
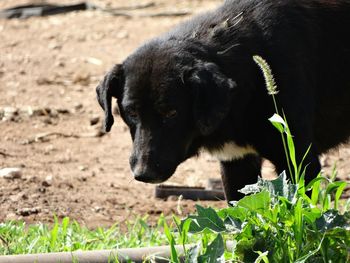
276, 221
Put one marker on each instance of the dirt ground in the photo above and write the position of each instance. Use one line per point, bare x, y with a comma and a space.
49, 68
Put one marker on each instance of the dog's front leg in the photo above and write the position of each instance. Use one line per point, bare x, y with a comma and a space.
238, 173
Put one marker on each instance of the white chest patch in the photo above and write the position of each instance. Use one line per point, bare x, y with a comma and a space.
231, 151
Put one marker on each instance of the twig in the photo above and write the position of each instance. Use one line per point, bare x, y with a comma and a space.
119, 14
132, 7
43, 137
5, 154
118, 11
160, 14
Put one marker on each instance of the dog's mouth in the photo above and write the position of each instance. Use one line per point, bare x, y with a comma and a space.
150, 180
151, 176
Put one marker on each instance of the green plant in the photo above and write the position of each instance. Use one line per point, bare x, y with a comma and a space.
16, 237
276, 221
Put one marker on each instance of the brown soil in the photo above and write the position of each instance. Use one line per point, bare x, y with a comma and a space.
49, 68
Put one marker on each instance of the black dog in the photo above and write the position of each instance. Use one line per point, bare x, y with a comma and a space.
197, 87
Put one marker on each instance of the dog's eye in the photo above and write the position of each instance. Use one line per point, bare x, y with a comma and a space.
170, 114
132, 114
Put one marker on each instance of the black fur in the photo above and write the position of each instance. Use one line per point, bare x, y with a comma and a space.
198, 87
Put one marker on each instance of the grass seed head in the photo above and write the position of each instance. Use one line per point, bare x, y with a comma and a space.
269, 80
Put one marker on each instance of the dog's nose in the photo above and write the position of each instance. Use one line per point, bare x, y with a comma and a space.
145, 174
142, 177
147, 177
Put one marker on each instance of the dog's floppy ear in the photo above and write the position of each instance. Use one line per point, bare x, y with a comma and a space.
212, 95
110, 86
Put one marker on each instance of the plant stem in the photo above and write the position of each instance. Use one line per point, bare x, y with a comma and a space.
283, 141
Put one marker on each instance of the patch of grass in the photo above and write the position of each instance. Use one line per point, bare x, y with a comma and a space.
16, 237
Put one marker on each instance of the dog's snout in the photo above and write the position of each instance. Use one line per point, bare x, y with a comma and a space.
146, 172
144, 177
147, 176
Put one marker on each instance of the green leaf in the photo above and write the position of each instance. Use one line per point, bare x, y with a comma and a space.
291, 151
54, 234
258, 202
303, 159
314, 185
235, 212
207, 218
262, 257
174, 256
332, 219
184, 228
277, 187
214, 252
233, 225
282, 187
298, 226
316, 180
278, 122
312, 214
338, 193
252, 188
305, 257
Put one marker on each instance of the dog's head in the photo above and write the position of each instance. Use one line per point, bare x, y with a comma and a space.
170, 99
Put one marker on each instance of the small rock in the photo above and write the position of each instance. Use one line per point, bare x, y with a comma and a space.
47, 120
81, 78
94, 61
82, 178
53, 113
37, 111
78, 106
44, 81
28, 211
9, 113
98, 209
66, 184
11, 173
82, 168
42, 190
81, 38
54, 45
50, 148
63, 111
33, 179
48, 181
94, 120
122, 35
60, 64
